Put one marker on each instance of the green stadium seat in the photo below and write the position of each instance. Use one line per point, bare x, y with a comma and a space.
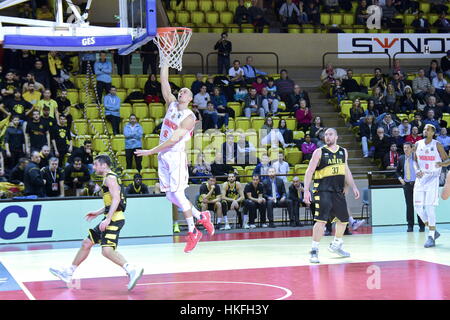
203, 28
125, 110
118, 143
157, 110
218, 28
348, 19
129, 81
325, 18
140, 110
175, 7
220, 5
80, 127
116, 81
197, 17
226, 17
148, 125
294, 28
190, 5
183, 17
205, 5
212, 17
336, 18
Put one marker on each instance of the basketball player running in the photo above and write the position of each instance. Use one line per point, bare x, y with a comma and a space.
429, 158
107, 232
177, 128
331, 175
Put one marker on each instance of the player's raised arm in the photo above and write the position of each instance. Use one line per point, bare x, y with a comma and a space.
349, 177
165, 86
317, 154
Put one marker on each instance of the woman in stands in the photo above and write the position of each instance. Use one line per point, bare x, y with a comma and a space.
356, 113
433, 70
259, 84
287, 134
378, 98
367, 131
391, 99
308, 148
303, 116
152, 89
408, 102
316, 129
371, 110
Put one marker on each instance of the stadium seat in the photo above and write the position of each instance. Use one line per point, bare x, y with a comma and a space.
176, 79
92, 111
226, 17
157, 110
212, 17
96, 127
247, 28
408, 19
300, 169
294, 28
171, 16
129, 81
293, 156
205, 5
151, 141
140, 110
203, 28
100, 144
116, 81
73, 96
217, 141
220, 5
248, 172
432, 18
80, 127
298, 135
183, 17
446, 117
291, 123
237, 107
197, 17
240, 170
148, 125
365, 81
190, 5
79, 140
176, 7
336, 18
83, 98
118, 142
125, 110
128, 176
141, 80
425, 7
217, 28
242, 123
187, 80
348, 19
149, 174
232, 5
345, 108
76, 113
122, 94
325, 18
257, 122
308, 28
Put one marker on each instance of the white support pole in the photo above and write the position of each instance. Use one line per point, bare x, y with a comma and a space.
75, 11
123, 13
59, 12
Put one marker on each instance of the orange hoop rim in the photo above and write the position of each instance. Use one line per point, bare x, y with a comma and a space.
160, 31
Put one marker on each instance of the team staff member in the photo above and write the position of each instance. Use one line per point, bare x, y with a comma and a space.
232, 197
54, 179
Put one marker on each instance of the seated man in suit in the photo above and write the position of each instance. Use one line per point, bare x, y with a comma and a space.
229, 150
275, 194
296, 196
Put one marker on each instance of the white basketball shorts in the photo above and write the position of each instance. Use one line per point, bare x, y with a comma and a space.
173, 171
426, 194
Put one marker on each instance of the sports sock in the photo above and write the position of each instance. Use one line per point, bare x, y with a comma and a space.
245, 218
338, 241
219, 220
351, 220
225, 219
315, 245
195, 213
127, 267
431, 233
72, 269
191, 224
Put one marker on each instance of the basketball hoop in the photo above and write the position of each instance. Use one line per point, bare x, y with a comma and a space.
171, 43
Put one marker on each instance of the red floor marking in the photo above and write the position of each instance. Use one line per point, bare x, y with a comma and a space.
409, 280
263, 235
13, 295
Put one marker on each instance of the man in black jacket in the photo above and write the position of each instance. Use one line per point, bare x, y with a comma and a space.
76, 175
229, 150
85, 154
137, 187
219, 168
295, 195
406, 174
224, 47
34, 183
17, 175
54, 178
275, 194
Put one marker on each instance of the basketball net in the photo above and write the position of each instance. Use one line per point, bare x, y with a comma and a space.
171, 43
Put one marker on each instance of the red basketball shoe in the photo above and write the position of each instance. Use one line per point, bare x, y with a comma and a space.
192, 239
206, 222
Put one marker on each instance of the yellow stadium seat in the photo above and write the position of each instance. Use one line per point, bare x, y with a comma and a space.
325, 18
129, 81
347, 29
197, 17
365, 81
79, 140
432, 18
237, 107
128, 176
118, 142
408, 19
203, 28
116, 81
183, 17
192, 156
157, 110
100, 144
176, 79
336, 18
300, 169
242, 123
122, 159
92, 111
171, 15
125, 110
240, 170
80, 127
151, 141
359, 30
212, 17
293, 156
80, 81
247, 28
76, 113
226, 17
205, 5
425, 7
149, 174
348, 19
446, 117
96, 127
220, 5
187, 80
140, 110
231, 124
345, 109
217, 28
83, 98
257, 122
122, 94
249, 173
217, 141
73, 96
281, 104
364, 104
148, 125
232, 5
297, 135
176, 7
190, 5
294, 28
153, 160
291, 123
141, 80
308, 28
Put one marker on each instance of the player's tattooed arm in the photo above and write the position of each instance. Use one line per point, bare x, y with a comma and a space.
444, 156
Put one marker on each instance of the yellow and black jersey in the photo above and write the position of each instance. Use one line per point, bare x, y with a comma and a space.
330, 172
107, 199
231, 190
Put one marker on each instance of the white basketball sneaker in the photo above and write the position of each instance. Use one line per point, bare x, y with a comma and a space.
62, 274
134, 275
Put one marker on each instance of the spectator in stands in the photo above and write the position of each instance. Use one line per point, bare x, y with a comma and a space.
44, 13
377, 80
30, 79
26, 11
32, 95
56, 69
17, 106
313, 13
236, 74
256, 16
398, 84
338, 92
438, 6
137, 187
443, 24
430, 119
36, 133
210, 198
387, 123
433, 70
371, 111
404, 128
213, 119
388, 17
421, 24
219, 168
258, 84
287, 133
295, 98
420, 85
308, 148
356, 113
439, 83
330, 74
86, 58
62, 139
40, 74
262, 168
47, 119
133, 133
285, 86
64, 107
352, 88
390, 160
229, 150
17, 175
295, 195
432, 93
232, 199
122, 62
152, 89
276, 196
379, 100
397, 139
381, 144
54, 178
444, 139
253, 104
431, 105
418, 122
112, 109
220, 103
91, 190
45, 155
270, 101
85, 154
197, 84
241, 93
246, 151
75, 176
34, 184
317, 128
149, 57
103, 72
361, 13
407, 101
14, 142
289, 14
446, 98
47, 101
201, 99
9, 86
303, 116
254, 200
224, 48
281, 167
331, 6
250, 72
201, 169
391, 98
367, 131
241, 14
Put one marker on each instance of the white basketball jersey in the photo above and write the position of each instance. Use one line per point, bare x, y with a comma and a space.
172, 122
427, 156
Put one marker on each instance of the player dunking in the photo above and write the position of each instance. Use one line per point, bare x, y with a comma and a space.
331, 174
177, 128
107, 232
429, 157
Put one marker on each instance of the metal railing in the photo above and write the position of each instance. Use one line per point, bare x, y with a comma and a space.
420, 55
337, 52
277, 59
